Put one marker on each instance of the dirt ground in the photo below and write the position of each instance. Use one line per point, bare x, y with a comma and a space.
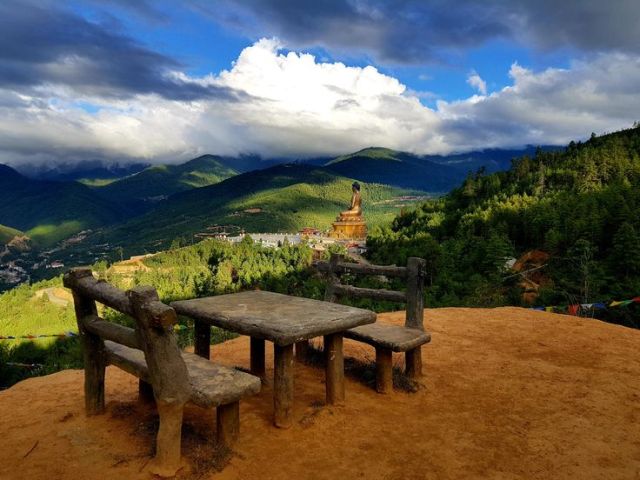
508, 393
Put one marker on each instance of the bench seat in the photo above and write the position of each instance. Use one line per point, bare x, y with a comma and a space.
392, 337
212, 384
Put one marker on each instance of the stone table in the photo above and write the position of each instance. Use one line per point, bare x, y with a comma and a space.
283, 320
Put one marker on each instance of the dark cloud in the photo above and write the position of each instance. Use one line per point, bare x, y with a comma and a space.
142, 8
46, 45
414, 31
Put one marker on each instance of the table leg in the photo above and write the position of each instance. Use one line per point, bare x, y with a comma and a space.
302, 350
334, 365
202, 339
257, 356
283, 385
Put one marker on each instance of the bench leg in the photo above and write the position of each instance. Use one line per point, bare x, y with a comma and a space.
302, 350
202, 339
227, 424
145, 392
413, 363
334, 365
257, 357
94, 368
384, 370
283, 385
167, 460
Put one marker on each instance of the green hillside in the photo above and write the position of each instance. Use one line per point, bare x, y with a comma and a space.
49, 211
401, 169
7, 234
580, 205
160, 181
371, 152
282, 198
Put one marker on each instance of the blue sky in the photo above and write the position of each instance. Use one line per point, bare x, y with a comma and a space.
205, 46
166, 80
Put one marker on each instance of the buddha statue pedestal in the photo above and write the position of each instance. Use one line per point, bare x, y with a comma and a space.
349, 227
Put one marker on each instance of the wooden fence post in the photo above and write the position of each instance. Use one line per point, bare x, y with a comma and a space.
415, 292
416, 270
93, 351
332, 278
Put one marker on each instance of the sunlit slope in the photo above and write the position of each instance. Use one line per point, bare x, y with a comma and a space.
165, 180
7, 233
282, 198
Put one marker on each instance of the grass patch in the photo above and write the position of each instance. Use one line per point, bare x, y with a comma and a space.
97, 182
7, 234
48, 235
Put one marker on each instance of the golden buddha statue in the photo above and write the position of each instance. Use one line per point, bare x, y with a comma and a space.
350, 224
355, 210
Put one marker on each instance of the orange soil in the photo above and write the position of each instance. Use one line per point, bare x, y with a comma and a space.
508, 393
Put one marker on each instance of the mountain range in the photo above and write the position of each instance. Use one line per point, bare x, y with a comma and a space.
150, 206
142, 189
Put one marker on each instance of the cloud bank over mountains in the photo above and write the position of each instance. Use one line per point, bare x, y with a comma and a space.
71, 89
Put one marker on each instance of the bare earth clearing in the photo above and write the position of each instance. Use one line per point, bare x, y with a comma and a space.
508, 393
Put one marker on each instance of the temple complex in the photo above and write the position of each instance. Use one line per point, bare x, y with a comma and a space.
350, 224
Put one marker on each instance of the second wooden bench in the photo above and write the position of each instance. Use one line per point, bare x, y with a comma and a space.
385, 338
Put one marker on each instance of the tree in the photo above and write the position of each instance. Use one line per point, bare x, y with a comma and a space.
581, 255
625, 251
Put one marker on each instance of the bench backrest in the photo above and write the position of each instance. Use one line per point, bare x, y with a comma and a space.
153, 333
413, 273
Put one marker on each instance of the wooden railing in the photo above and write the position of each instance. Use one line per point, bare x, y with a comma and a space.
414, 274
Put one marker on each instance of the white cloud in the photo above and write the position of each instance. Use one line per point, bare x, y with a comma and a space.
293, 105
477, 82
550, 107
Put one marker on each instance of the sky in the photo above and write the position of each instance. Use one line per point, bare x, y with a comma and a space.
165, 81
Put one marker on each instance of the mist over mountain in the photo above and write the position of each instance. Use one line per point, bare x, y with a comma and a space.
88, 169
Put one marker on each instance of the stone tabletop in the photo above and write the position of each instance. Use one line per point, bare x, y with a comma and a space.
282, 319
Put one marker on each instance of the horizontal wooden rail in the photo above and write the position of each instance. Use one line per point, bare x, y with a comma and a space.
344, 267
375, 294
111, 331
83, 282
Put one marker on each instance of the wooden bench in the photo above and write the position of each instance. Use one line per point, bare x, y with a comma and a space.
151, 353
385, 338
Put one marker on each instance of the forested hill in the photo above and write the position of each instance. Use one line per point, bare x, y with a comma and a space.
160, 181
401, 169
580, 205
49, 211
